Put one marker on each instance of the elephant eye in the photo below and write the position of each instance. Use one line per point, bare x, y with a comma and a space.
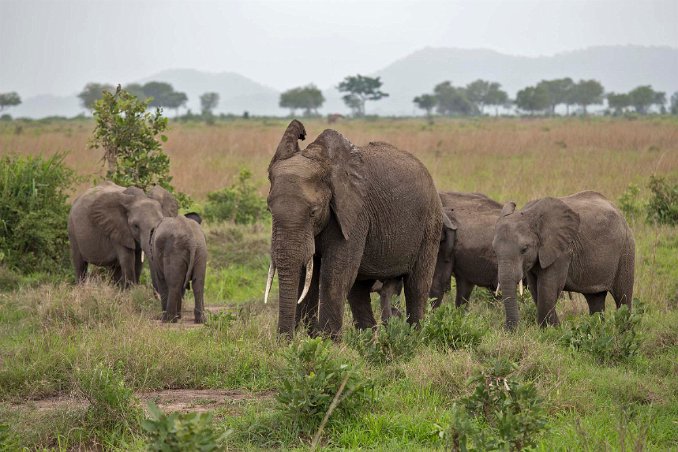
523, 249
314, 211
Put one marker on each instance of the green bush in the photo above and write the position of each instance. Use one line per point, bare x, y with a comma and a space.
502, 413
34, 213
393, 341
182, 431
630, 204
663, 205
450, 327
311, 380
239, 202
112, 405
610, 338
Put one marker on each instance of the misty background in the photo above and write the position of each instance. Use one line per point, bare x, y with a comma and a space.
250, 51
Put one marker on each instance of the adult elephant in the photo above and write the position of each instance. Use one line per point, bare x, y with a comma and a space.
580, 243
338, 225
466, 246
106, 226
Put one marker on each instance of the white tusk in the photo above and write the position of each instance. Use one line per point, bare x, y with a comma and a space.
269, 281
496, 292
142, 257
307, 282
520, 287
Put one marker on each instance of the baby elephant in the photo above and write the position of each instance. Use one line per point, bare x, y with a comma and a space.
178, 255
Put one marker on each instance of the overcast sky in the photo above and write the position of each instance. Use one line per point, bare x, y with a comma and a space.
57, 46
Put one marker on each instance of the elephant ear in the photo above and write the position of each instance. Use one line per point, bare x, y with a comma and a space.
557, 227
168, 204
346, 178
109, 213
289, 144
508, 208
449, 234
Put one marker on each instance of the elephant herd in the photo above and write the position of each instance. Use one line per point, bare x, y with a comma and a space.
349, 220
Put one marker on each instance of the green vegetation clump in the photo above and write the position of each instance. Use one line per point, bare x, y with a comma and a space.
610, 338
630, 204
449, 327
313, 378
34, 213
393, 341
663, 205
182, 431
239, 203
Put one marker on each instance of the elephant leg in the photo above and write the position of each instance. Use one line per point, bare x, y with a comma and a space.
138, 265
596, 301
126, 258
361, 307
307, 311
198, 286
163, 291
464, 289
173, 302
549, 284
385, 305
79, 263
533, 287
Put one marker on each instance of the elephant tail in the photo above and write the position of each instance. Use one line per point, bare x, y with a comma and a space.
191, 264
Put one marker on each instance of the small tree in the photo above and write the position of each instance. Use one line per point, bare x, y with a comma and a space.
496, 97
209, 102
587, 92
482, 93
92, 92
127, 133
359, 90
618, 102
559, 91
674, 103
533, 99
452, 100
9, 100
309, 98
426, 102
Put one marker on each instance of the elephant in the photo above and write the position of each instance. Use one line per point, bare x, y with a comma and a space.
107, 225
168, 204
338, 226
579, 243
466, 246
387, 290
178, 256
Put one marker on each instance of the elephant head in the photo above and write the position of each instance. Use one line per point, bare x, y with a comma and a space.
126, 217
540, 233
168, 204
309, 188
194, 216
445, 260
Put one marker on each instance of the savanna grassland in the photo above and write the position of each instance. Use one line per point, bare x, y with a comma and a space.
74, 359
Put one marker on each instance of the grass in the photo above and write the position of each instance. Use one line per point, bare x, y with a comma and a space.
52, 333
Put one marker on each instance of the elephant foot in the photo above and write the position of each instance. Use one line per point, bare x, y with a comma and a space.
395, 312
199, 317
169, 318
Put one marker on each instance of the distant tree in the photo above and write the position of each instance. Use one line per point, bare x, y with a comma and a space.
533, 99
674, 103
426, 102
482, 93
587, 92
309, 98
359, 90
559, 91
496, 97
8, 100
175, 101
660, 101
642, 98
453, 100
136, 90
93, 92
209, 102
618, 102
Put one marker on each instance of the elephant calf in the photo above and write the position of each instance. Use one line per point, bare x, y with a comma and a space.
387, 290
178, 255
579, 243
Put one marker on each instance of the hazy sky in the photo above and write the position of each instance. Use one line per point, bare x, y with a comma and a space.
57, 46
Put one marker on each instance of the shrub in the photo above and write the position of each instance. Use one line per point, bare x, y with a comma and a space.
629, 202
390, 342
610, 338
311, 380
663, 205
112, 405
239, 202
34, 213
182, 431
502, 413
450, 327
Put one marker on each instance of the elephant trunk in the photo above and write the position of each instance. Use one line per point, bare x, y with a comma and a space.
508, 281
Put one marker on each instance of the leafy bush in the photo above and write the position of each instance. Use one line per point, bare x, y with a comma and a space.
390, 342
182, 431
313, 378
629, 202
127, 131
502, 413
34, 213
239, 202
610, 338
112, 405
663, 205
450, 327
8, 440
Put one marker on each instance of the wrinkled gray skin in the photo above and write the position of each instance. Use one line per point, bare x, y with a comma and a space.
178, 255
106, 226
579, 243
466, 246
387, 290
341, 206
168, 204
